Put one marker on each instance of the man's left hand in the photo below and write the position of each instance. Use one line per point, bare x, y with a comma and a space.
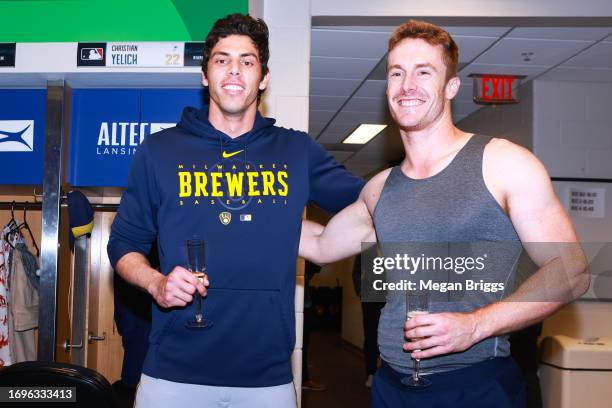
441, 333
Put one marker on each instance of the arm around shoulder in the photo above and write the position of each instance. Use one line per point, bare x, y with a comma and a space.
346, 231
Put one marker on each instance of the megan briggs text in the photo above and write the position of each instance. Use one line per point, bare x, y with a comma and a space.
468, 285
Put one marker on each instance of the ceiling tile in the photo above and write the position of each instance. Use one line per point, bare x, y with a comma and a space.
526, 70
343, 68
333, 87
561, 33
320, 116
319, 102
476, 31
545, 52
598, 56
361, 117
372, 89
340, 156
352, 44
380, 71
336, 132
314, 128
332, 137
388, 142
564, 73
471, 47
357, 104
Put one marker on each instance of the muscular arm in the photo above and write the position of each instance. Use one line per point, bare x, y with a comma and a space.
175, 289
346, 231
549, 238
341, 238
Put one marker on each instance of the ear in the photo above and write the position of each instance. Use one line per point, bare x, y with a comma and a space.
452, 87
264, 82
204, 80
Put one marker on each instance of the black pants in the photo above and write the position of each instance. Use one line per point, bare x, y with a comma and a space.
371, 316
495, 383
524, 350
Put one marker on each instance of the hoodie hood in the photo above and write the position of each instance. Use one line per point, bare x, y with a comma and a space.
196, 121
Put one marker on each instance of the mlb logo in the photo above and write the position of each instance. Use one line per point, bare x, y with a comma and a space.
92, 54
16, 135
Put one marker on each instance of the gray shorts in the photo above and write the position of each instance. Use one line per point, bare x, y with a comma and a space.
155, 392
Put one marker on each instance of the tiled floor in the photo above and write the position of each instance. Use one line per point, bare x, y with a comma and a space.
342, 370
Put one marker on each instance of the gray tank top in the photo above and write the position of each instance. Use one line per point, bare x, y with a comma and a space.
453, 206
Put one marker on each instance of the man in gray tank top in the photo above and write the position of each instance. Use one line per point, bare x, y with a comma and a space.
454, 187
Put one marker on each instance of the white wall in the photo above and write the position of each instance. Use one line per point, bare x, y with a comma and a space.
286, 100
573, 128
573, 138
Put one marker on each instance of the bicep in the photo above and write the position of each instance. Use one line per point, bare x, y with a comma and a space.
537, 214
340, 238
353, 223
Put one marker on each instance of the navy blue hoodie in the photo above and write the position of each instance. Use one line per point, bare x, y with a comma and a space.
245, 197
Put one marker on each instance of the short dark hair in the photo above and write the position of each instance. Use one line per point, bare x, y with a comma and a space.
433, 35
239, 24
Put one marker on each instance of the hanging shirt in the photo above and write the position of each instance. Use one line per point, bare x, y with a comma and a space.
23, 307
5, 355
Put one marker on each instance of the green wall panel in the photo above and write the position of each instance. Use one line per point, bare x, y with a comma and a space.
111, 20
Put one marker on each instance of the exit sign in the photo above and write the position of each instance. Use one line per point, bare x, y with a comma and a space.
495, 89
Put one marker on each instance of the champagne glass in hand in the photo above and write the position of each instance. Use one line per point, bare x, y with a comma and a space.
417, 303
196, 257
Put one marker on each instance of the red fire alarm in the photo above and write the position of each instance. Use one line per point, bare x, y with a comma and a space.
495, 89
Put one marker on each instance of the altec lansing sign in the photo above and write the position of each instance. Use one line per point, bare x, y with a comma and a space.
108, 125
495, 89
122, 138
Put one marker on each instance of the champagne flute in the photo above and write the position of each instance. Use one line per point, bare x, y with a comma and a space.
417, 303
196, 259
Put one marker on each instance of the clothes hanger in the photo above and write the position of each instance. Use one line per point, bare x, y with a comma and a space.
25, 225
10, 225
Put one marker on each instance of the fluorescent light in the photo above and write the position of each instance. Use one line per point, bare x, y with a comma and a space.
364, 133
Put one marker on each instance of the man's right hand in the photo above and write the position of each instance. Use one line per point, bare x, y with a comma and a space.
176, 288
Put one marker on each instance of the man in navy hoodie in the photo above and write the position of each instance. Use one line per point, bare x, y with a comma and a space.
227, 175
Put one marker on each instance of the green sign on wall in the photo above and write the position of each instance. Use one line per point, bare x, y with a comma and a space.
112, 20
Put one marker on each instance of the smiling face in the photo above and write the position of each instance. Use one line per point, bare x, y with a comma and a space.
233, 75
417, 91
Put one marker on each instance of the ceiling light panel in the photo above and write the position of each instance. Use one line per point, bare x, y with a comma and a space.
364, 133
